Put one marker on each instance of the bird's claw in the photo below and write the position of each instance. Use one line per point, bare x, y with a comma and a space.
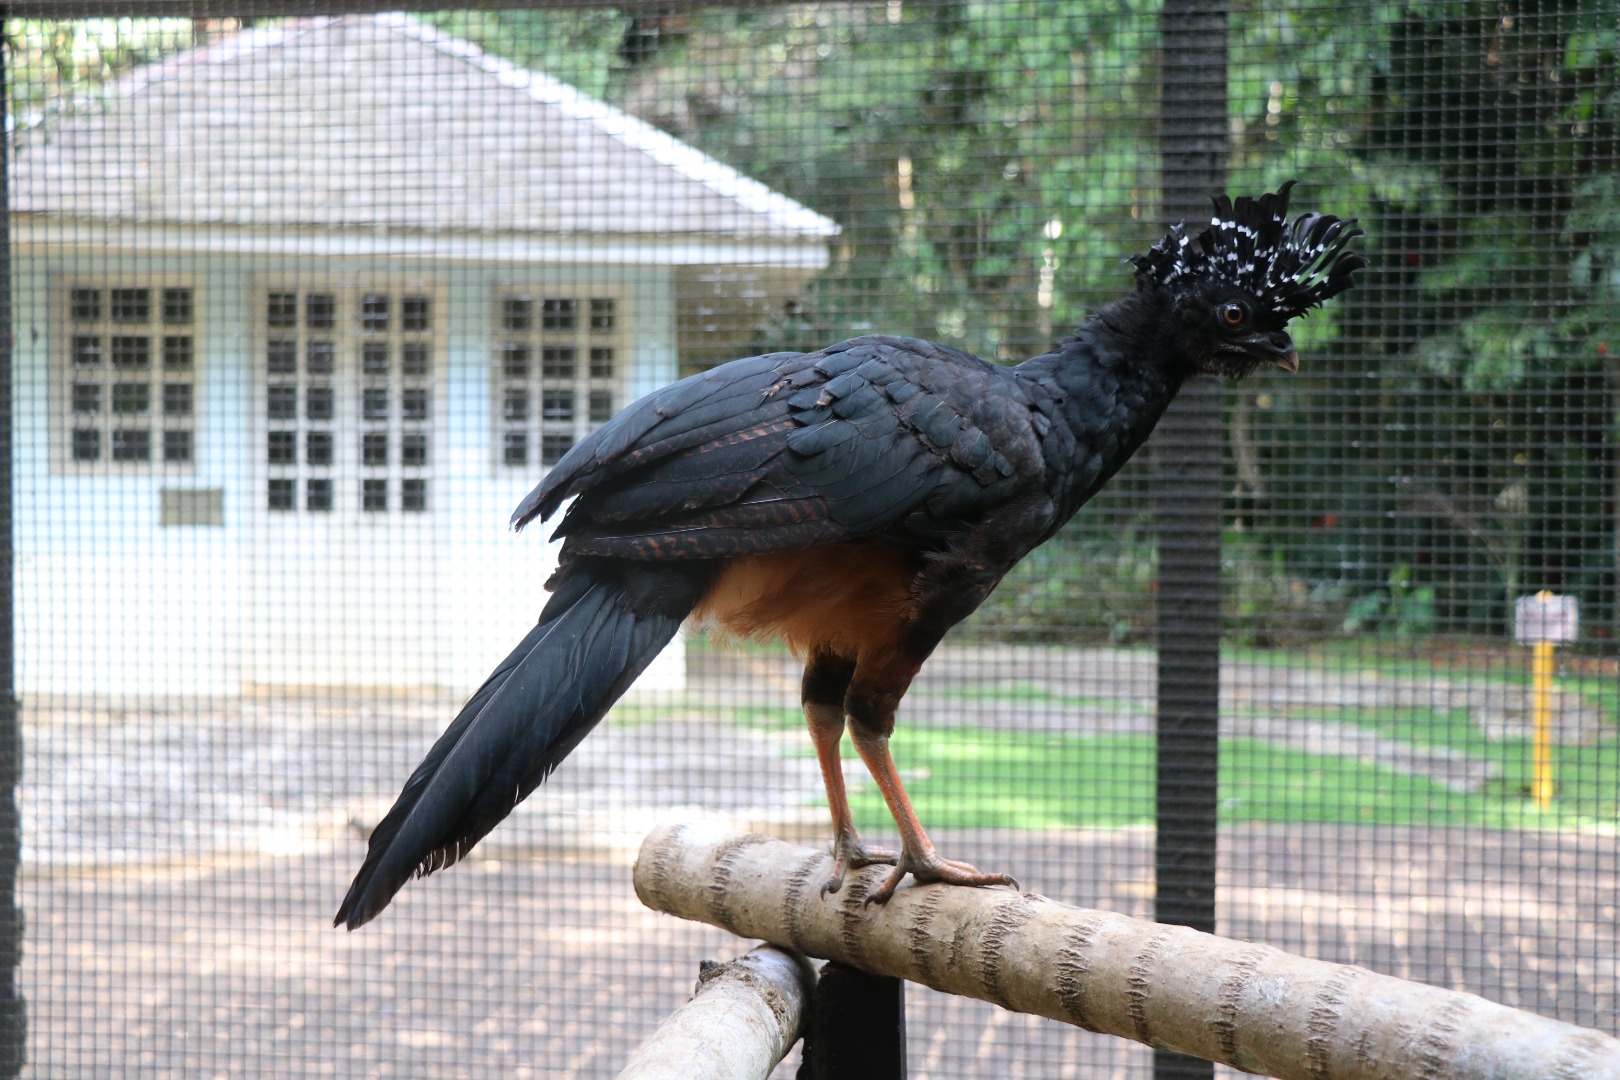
929, 869
850, 854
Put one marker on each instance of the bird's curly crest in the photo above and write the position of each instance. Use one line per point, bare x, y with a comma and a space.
1290, 266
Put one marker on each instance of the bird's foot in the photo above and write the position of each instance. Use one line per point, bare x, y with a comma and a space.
928, 868
849, 853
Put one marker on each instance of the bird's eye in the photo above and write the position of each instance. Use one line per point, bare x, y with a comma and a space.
1234, 313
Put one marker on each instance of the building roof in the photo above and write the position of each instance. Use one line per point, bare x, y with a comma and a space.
379, 122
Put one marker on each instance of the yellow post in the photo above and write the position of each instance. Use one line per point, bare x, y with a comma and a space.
1541, 674
1542, 621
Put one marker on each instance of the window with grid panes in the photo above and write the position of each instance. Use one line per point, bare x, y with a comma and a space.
559, 368
126, 375
348, 402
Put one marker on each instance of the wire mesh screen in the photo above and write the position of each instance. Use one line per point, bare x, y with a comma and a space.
303, 305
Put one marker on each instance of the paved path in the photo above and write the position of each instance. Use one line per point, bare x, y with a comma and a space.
184, 859
545, 965
132, 782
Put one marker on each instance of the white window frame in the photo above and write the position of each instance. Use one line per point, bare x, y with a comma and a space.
159, 400
359, 433
537, 410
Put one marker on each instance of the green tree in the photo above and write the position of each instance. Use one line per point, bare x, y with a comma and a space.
1484, 142
56, 64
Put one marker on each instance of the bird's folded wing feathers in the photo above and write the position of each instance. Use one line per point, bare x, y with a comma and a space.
786, 450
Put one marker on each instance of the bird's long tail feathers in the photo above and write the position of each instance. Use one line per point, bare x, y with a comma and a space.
604, 624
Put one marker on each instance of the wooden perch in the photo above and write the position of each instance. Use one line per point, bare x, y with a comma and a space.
1246, 1005
741, 1020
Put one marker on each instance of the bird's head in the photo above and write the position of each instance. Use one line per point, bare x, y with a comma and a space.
1234, 287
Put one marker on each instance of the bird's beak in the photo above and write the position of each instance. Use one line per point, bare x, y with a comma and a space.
1276, 347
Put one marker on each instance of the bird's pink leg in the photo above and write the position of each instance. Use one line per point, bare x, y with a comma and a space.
826, 728
917, 854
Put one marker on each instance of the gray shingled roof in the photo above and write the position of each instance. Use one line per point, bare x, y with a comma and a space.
381, 121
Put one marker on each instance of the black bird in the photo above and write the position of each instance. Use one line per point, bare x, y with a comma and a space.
855, 502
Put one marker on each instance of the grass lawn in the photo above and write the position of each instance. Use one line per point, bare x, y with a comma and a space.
960, 778
967, 777
1507, 665
1587, 777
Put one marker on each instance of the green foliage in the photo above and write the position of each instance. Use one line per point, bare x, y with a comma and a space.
1400, 607
1093, 582
946, 144
1270, 604
1595, 215
577, 47
54, 65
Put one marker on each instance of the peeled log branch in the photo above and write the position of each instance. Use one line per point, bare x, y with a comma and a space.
1249, 1006
743, 1018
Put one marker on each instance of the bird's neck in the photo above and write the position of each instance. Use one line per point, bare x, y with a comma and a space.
1107, 385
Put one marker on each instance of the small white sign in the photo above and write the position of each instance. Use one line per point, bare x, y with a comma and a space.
1546, 617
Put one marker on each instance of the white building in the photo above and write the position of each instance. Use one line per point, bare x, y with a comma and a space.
303, 313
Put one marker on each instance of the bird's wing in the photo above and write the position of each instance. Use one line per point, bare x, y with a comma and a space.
879, 437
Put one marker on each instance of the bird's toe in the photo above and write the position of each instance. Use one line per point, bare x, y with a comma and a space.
849, 853
883, 893
861, 855
930, 869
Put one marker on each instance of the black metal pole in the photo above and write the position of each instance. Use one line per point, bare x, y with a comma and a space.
856, 1029
13, 1012
1187, 473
